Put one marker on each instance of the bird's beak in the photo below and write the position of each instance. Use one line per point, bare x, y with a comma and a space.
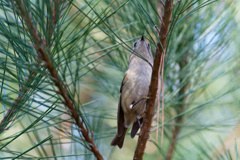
142, 39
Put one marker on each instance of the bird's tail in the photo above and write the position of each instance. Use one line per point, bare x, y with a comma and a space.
119, 139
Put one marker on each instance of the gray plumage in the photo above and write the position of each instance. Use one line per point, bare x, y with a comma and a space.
135, 86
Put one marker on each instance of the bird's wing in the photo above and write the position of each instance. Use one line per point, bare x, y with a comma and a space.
135, 127
120, 116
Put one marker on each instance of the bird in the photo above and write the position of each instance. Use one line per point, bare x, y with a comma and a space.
133, 91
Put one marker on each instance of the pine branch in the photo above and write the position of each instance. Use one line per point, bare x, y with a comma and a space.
41, 47
23, 90
160, 51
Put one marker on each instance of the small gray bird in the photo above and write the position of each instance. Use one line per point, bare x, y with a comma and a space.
133, 92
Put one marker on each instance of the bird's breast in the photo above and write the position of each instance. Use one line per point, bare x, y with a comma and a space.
135, 87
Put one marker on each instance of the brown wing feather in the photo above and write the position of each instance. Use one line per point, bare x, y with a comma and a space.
120, 116
121, 130
135, 128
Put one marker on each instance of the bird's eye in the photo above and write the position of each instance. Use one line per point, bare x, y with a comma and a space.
148, 47
135, 45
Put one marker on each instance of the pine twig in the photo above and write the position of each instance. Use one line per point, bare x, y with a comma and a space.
40, 47
9, 117
145, 129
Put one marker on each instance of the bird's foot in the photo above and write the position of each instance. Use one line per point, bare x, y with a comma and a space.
135, 103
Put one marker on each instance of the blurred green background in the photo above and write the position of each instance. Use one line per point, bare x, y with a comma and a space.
89, 44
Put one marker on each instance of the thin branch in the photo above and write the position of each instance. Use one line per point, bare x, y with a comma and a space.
159, 93
159, 10
176, 3
145, 129
180, 108
162, 3
41, 48
162, 91
20, 99
24, 89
